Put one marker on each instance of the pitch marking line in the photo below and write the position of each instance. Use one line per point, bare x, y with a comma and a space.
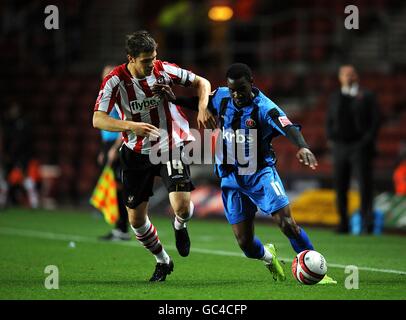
77, 238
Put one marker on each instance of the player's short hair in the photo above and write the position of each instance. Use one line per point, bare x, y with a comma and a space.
138, 42
239, 70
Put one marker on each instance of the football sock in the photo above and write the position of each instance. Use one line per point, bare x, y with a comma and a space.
256, 250
267, 256
148, 237
180, 223
302, 242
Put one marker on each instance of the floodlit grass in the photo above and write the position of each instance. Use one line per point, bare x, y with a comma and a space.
215, 269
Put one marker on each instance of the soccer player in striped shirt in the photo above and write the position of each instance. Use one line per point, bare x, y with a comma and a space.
148, 119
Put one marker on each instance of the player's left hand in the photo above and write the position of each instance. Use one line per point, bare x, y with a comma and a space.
163, 91
307, 157
205, 119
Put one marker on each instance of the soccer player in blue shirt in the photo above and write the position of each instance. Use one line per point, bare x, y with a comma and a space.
241, 108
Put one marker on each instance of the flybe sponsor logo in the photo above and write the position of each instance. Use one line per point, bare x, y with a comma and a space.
144, 105
229, 135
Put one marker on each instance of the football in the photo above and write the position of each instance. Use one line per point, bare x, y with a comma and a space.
309, 267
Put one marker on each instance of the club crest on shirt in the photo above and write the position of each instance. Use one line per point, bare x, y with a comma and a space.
164, 79
160, 80
250, 123
284, 121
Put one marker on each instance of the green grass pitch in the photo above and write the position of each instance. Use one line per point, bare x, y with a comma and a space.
215, 269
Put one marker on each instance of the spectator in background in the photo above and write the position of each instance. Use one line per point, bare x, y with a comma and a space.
111, 142
21, 169
399, 176
352, 126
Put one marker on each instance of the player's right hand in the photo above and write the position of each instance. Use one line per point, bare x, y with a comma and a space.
145, 130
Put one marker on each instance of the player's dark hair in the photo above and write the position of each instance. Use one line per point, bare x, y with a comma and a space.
138, 42
239, 70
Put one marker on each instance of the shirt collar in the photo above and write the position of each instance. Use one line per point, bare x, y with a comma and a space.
350, 90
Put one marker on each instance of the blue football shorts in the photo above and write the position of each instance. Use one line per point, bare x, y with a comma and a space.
243, 194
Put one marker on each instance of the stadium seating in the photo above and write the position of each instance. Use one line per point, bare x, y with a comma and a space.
60, 101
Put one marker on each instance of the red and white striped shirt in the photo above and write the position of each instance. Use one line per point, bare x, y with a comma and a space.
135, 101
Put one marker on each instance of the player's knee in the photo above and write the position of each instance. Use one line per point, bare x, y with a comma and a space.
135, 222
135, 218
182, 208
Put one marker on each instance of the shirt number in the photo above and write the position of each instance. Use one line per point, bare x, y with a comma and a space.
175, 165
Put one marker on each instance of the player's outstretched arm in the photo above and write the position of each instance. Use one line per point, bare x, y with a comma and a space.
101, 120
205, 117
304, 154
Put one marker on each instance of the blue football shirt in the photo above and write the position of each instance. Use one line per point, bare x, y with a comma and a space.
249, 128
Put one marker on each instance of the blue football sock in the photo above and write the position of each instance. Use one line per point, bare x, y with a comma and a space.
302, 242
256, 251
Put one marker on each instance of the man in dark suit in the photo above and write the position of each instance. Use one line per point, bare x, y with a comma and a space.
352, 126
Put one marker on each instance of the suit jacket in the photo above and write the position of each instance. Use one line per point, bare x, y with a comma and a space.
363, 112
